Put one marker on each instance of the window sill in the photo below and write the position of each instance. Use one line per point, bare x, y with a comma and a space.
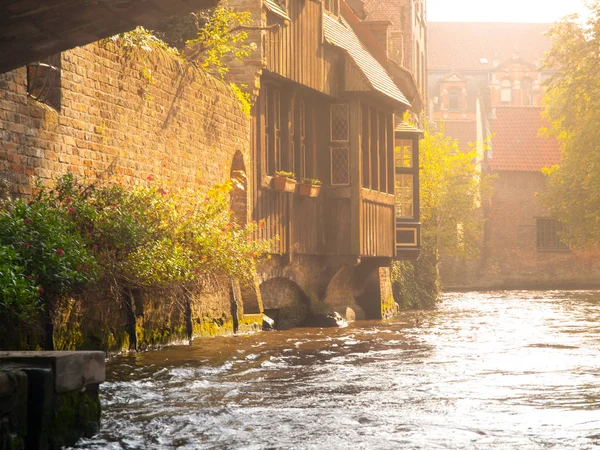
554, 250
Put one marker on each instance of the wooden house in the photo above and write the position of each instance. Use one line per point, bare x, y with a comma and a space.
325, 110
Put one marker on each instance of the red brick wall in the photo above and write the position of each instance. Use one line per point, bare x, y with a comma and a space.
180, 125
510, 258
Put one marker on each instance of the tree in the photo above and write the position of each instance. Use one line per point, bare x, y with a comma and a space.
451, 191
572, 103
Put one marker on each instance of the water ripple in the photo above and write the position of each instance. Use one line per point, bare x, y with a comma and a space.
495, 370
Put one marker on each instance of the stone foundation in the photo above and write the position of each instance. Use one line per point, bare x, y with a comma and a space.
48, 400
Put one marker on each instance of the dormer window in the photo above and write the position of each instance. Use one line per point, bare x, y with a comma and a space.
454, 99
526, 92
333, 6
506, 92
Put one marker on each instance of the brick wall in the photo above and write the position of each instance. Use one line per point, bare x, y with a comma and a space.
510, 258
133, 114
177, 123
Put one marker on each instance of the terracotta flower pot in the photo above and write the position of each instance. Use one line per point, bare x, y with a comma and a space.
284, 184
309, 190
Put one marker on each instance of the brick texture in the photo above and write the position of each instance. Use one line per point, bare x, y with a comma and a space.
177, 124
128, 114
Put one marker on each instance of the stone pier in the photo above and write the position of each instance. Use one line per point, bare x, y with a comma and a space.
49, 400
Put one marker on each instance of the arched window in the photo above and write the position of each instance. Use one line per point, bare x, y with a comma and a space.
454, 99
526, 92
506, 92
238, 202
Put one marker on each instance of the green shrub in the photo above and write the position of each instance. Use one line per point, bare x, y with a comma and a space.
152, 235
415, 283
46, 245
19, 293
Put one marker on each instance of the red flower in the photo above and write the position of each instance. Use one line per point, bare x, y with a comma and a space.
71, 211
60, 252
95, 246
78, 268
27, 221
68, 200
26, 244
29, 277
41, 290
150, 178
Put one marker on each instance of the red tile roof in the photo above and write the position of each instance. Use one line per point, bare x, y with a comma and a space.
465, 131
516, 141
460, 46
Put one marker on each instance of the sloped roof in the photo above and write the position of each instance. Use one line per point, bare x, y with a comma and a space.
277, 8
460, 46
343, 36
516, 143
464, 131
404, 127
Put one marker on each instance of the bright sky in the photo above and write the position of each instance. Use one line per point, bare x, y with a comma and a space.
533, 11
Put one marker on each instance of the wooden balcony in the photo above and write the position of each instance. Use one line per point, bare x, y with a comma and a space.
377, 225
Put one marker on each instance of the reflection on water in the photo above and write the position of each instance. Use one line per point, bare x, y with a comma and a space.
499, 370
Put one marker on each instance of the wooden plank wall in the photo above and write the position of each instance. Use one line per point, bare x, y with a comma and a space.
377, 229
273, 208
307, 226
338, 226
296, 51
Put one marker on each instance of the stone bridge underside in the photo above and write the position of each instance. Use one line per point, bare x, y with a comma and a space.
34, 29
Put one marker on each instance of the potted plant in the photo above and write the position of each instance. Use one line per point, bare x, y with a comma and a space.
284, 181
310, 187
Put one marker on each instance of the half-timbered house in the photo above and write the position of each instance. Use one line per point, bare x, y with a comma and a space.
325, 109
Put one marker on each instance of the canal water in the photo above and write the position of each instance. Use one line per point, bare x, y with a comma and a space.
494, 370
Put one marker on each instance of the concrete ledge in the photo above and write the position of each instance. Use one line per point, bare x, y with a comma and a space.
72, 370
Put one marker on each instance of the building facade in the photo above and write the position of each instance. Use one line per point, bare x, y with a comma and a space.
325, 108
486, 80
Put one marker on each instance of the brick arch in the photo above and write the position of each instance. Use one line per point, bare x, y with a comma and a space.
238, 202
285, 302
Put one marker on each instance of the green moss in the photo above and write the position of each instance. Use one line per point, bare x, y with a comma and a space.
68, 338
249, 323
212, 327
76, 414
154, 337
415, 284
388, 307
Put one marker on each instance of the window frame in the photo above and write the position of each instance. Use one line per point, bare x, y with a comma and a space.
547, 235
506, 89
456, 93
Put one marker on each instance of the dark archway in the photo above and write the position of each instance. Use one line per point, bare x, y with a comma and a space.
285, 302
238, 202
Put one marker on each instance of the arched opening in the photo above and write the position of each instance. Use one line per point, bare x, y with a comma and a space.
238, 202
455, 99
526, 92
285, 302
506, 92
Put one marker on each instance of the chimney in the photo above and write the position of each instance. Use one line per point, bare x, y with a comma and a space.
380, 31
358, 6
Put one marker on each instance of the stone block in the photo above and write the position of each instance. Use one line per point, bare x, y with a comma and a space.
72, 370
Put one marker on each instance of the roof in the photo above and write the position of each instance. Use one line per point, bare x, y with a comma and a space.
343, 36
277, 8
461, 46
464, 131
516, 142
404, 127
